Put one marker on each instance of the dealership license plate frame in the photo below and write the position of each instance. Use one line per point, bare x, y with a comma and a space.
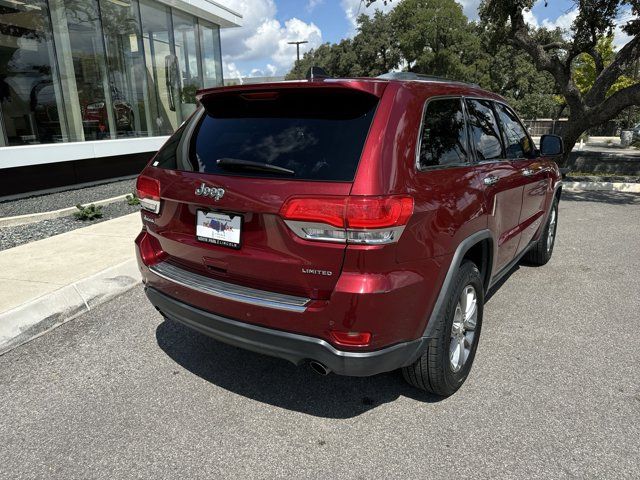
210, 237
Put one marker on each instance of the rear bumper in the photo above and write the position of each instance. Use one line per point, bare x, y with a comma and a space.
290, 346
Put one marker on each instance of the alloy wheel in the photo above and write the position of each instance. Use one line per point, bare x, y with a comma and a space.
552, 229
463, 328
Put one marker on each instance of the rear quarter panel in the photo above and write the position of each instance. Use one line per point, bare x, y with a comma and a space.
449, 203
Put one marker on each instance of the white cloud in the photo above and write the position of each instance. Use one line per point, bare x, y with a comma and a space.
231, 71
271, 70
530, 19
311, 4
564, 21
295, 29
354, 8
262, 38
621, 38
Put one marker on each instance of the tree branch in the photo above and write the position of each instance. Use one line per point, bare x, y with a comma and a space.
613, 105
553, 46
597, 59
608, 76
546, 62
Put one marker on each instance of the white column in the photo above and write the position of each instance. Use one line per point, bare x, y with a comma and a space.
67, 74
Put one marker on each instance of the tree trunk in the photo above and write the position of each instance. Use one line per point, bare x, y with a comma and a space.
570, 135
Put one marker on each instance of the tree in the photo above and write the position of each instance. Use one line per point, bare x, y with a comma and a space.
509, 72
585, 71
435, 37
376, 45
372, 52
338, 60
595, 20
594, 104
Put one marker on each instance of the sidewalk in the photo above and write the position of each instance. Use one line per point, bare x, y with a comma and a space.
53, 279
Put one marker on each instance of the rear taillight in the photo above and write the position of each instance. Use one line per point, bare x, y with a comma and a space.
148, 190
362, 220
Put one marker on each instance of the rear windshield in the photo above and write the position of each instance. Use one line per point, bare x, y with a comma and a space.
315, 134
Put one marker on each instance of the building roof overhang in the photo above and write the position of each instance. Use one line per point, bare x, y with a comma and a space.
210, 10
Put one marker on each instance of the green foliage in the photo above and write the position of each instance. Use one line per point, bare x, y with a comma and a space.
372, 52
132, 199
88, 212
592, 83
435, 37
508, 71
585, 71
339, 60
376, 45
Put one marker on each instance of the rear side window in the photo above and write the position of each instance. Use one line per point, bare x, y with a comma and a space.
443, 140
518, 143
314, 134
484, 130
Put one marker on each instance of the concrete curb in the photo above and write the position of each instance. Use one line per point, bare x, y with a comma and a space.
602, 186
32, 319
63, 212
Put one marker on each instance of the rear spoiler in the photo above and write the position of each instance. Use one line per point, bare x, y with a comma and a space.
372, 86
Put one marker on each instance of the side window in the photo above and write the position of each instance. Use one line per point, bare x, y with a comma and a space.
443, 140
484, 130
518, 143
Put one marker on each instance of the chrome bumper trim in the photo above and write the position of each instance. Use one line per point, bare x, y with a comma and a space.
229, 291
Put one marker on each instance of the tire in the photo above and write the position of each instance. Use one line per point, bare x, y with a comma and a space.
438, 370
541, 251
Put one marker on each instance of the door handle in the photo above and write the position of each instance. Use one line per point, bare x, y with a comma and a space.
490, 180
527, 172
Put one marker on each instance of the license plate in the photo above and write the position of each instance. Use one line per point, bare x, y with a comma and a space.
218, 228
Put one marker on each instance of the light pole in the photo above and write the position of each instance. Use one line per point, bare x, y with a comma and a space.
297, 44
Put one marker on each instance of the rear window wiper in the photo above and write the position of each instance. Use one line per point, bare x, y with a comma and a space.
237, 163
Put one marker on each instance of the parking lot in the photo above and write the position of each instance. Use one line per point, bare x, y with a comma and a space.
554, 391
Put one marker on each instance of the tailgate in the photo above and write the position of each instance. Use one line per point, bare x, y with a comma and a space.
276, 144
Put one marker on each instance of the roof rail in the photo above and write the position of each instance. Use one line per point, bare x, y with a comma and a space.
420, 77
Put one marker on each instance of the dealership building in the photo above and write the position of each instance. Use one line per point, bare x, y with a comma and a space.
90, 88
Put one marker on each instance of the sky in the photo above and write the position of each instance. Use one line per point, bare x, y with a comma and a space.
259, 47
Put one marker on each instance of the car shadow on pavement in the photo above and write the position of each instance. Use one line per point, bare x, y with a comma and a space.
614, 198
278, 382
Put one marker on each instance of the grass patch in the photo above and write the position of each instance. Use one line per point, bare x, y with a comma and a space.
132, 199
88, 212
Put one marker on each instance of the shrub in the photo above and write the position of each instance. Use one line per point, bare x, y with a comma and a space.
132, 199
88, 212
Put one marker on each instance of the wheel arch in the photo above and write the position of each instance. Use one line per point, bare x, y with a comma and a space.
558, 192
481, 254
477, 248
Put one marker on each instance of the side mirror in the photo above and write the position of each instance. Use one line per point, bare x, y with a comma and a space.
551, 145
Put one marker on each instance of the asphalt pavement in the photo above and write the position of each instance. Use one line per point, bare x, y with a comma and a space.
554, 392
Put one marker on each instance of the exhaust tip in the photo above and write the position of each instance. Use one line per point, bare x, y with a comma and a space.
319, 368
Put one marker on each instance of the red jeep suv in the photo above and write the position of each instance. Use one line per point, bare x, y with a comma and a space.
354, 224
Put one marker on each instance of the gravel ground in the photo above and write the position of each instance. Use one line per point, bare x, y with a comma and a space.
602, 178
17, 235
553, 394
69, 198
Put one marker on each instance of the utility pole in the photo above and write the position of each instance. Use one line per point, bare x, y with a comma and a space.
297, 44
